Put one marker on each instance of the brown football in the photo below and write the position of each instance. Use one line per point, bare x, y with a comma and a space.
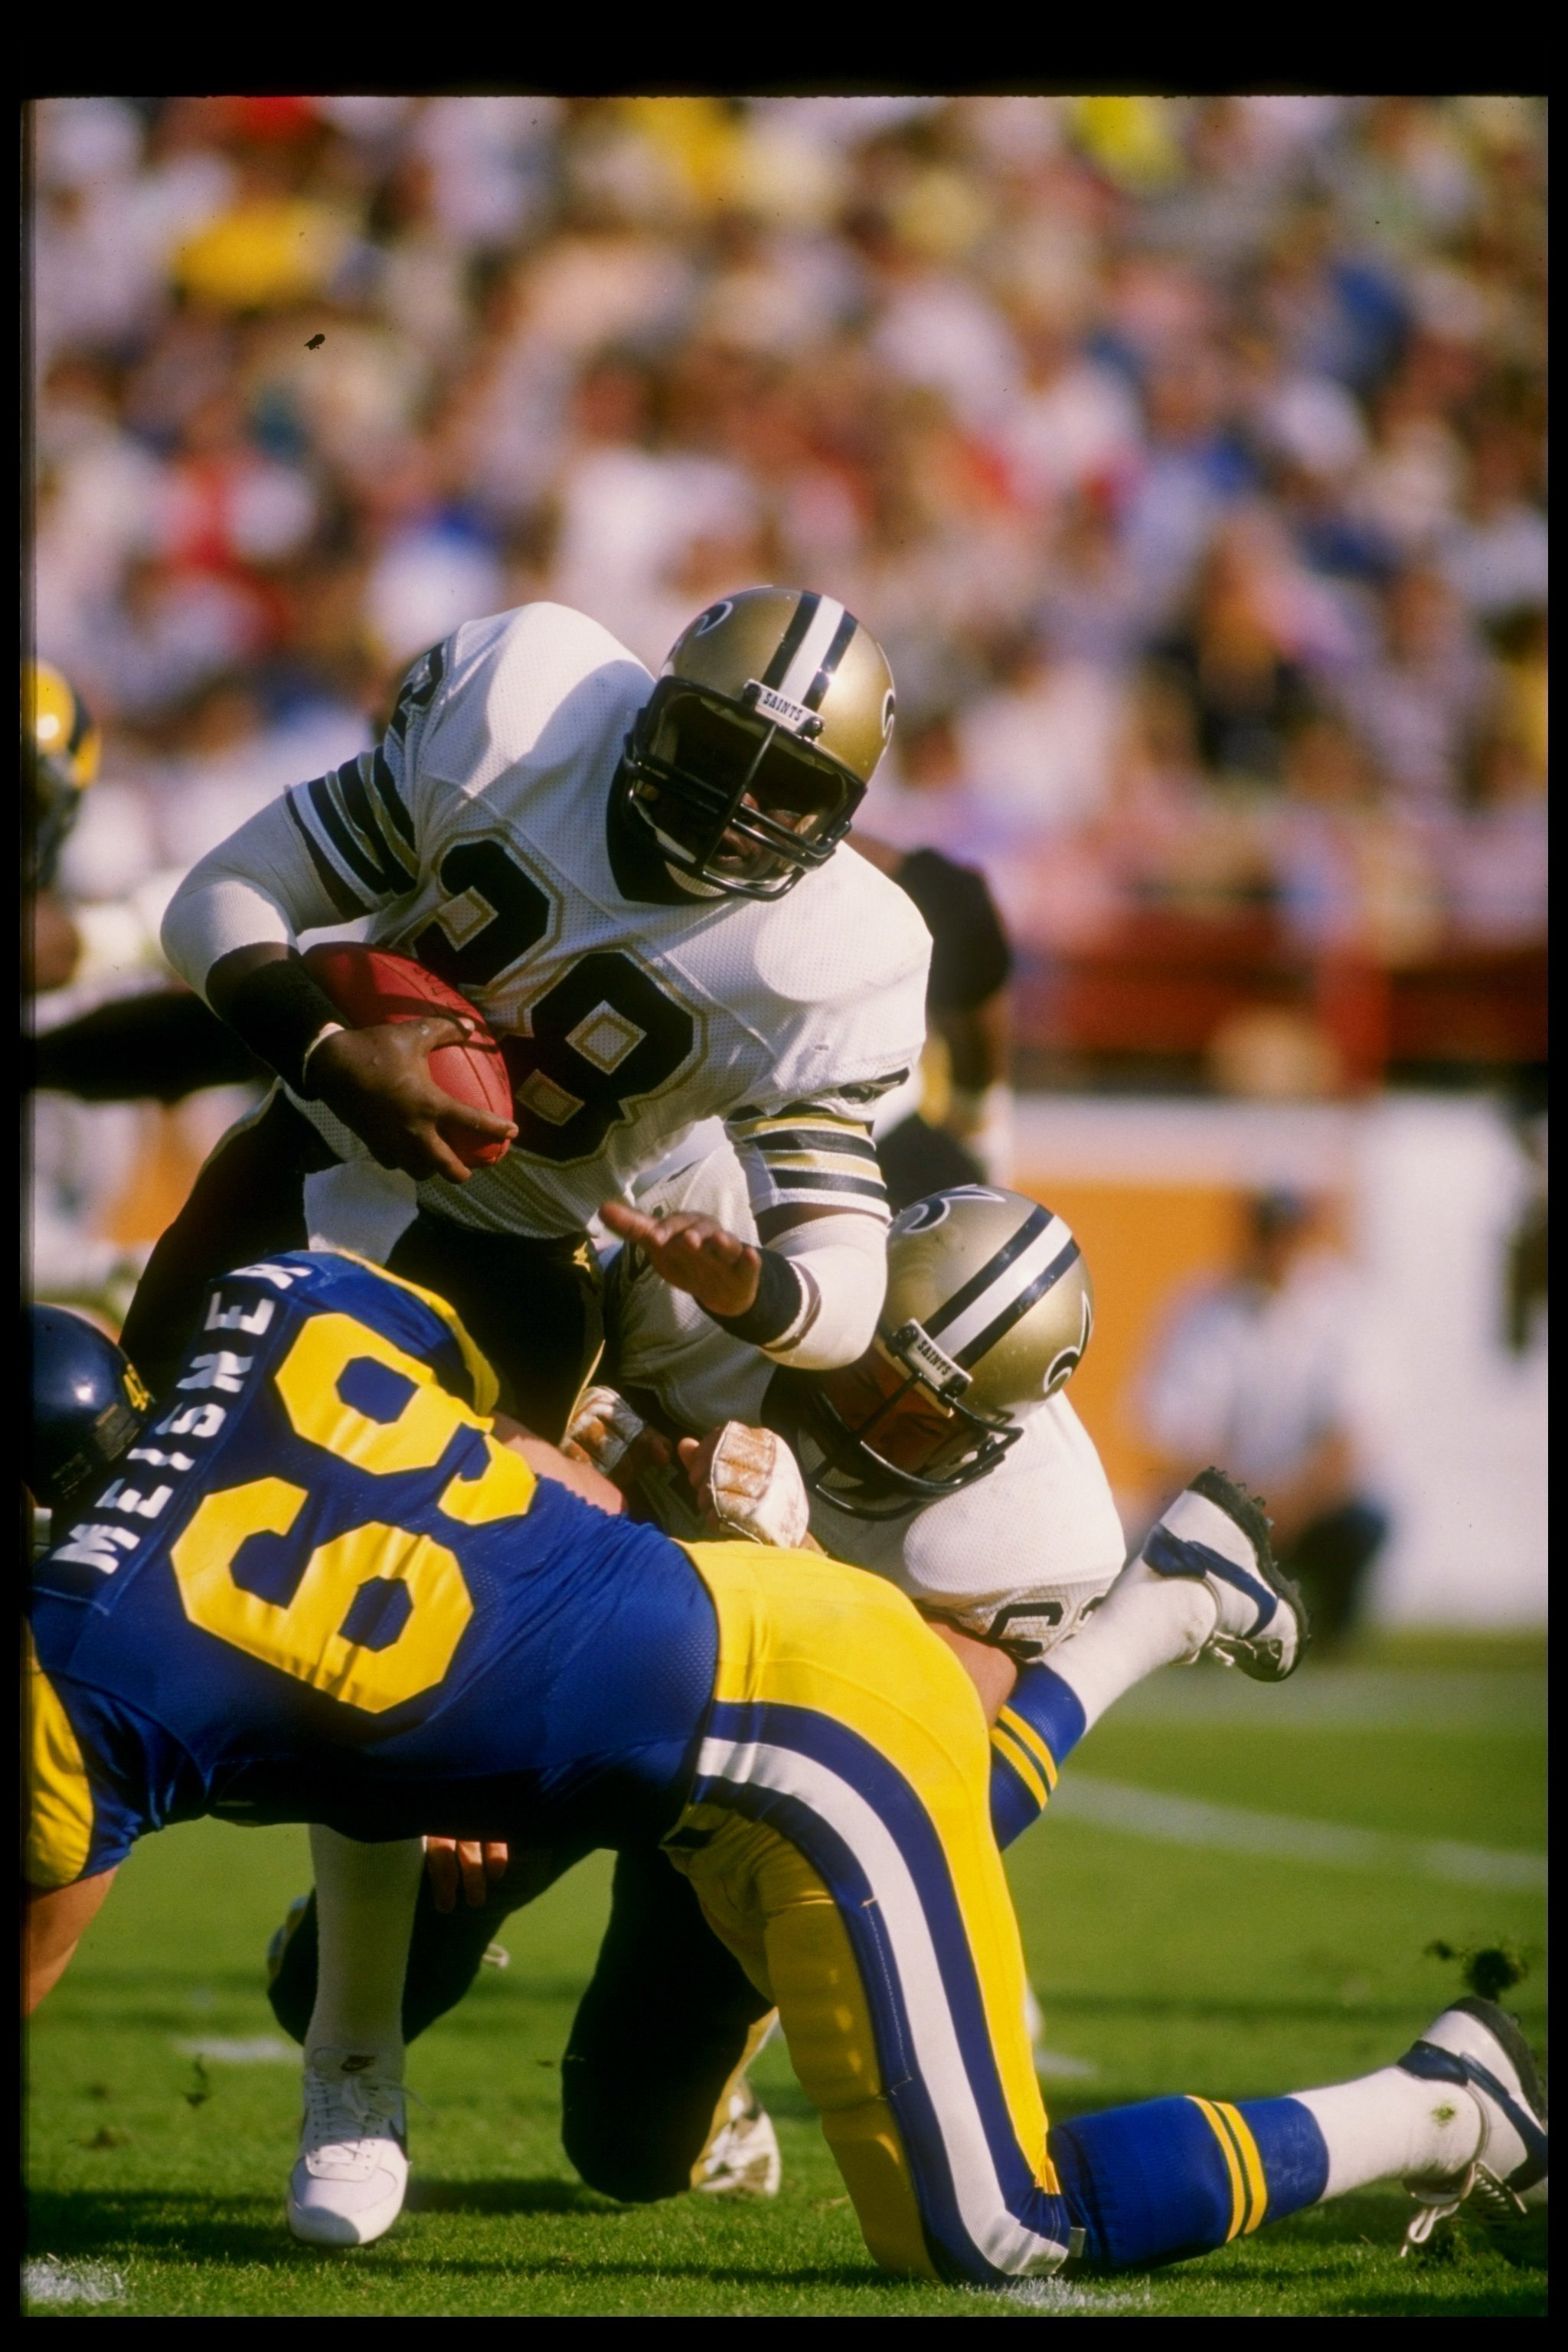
372, 985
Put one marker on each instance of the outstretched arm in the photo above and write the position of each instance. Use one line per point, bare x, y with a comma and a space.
53, 1918
808, 1298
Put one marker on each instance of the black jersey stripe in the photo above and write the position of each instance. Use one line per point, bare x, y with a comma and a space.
418, 688
812, 1179
1028, 1297
386, 783
854, 1146
1030, 1230
789, 645
366, 820
358, 860
835, 652
333, 882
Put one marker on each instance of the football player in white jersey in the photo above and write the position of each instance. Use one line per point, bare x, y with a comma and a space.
947, 1459
634, 885
991, 1510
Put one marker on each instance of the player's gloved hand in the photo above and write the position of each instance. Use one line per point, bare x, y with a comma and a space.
614, 1439
467, 1862
604, 1427
749, 1484
377, 1082
696, 1254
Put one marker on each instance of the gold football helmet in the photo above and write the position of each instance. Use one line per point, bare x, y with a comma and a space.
59, 759
752, 754
989, 1307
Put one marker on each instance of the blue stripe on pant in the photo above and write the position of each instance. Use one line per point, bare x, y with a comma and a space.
822, 1787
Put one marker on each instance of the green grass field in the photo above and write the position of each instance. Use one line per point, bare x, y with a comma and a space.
1190, 1950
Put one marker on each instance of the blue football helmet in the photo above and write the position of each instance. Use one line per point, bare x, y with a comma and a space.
88, 1405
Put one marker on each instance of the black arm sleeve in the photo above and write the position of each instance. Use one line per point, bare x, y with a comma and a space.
781, 1296
277, 1010
970, 955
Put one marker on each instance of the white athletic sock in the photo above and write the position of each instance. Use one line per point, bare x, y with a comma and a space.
1143, 1622
1393, 2127
364, 1916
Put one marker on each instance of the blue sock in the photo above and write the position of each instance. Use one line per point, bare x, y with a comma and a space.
1174, 2177
1032, 1738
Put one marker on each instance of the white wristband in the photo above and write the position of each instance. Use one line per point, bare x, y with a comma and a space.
328, 1029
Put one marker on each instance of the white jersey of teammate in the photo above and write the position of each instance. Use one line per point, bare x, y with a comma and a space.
476, 838
1020, 1556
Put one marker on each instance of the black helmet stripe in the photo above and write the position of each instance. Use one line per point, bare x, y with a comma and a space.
789, 645
1029, 1231
835, 652
1030, 1296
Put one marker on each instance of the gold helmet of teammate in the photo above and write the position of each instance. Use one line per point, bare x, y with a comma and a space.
59, 759
989, 1307
752, 754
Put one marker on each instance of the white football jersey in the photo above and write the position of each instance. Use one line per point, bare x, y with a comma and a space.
1020, 1556
476, 838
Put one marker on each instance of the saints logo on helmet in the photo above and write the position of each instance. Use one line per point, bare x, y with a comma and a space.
756, 746
59, 759
989, 1307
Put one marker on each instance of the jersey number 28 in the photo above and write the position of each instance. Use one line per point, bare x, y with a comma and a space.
602, 1034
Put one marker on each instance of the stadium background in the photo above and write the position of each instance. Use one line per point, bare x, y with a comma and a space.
1188, 458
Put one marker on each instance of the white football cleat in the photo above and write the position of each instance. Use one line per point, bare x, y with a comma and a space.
1217, 1533
1477, 2047
351, 2172
742, 2159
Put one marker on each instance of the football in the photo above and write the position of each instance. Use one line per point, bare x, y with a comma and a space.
370, 985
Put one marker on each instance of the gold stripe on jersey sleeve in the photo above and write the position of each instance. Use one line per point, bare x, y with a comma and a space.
60, 1810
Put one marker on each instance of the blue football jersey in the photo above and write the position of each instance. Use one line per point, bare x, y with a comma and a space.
320, 1591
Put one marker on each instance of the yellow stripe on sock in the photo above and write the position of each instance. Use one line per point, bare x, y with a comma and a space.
1014, 1757
1024, 1730
1251, 2165
1237, 2189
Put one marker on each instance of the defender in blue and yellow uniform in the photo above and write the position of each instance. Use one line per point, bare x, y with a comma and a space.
318, 1588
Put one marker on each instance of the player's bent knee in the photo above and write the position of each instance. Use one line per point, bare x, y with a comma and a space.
613, 2148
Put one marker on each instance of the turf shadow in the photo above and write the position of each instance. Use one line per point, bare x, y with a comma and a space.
541, 2195
1520, 2298
580, 2269
193, 2228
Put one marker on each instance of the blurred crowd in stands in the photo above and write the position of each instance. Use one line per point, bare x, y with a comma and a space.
1186, 455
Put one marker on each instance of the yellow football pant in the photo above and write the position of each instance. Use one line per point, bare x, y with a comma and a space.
839, 1842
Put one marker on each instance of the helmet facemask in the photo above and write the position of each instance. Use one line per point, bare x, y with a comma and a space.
734, 796
896, 1431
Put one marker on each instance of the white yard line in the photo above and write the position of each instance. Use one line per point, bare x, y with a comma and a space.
48, 2280
254, 2049
1345, 1698
1226, 1828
